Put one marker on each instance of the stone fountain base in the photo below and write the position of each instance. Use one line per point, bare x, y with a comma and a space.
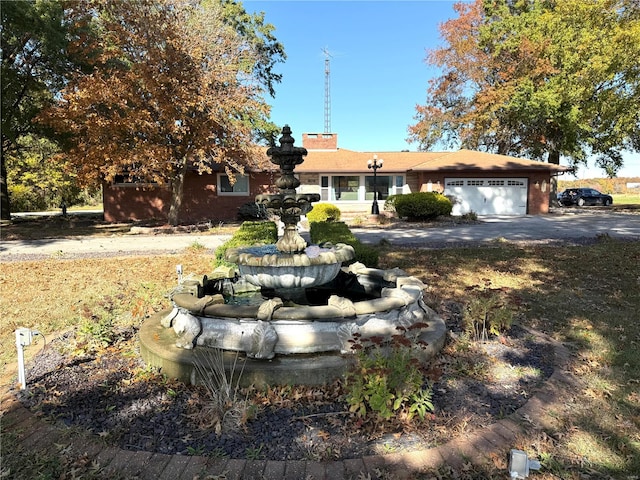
298, 344
158, 349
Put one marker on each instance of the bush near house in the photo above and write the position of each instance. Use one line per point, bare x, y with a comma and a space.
25, 199
422, 205
324, 212
251, 211
339, 232
249, 233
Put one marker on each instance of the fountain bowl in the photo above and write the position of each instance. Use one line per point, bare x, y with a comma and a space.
264, 266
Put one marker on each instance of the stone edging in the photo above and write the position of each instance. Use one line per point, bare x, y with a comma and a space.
34, 434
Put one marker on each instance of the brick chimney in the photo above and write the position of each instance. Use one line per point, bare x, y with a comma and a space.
320, 141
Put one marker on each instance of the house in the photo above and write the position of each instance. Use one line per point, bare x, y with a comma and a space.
484, 183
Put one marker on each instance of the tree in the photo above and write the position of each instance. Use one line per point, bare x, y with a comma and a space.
537, 78
37, 183
35, 60
176, 85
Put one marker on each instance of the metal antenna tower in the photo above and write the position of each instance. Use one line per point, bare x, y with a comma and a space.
327, 90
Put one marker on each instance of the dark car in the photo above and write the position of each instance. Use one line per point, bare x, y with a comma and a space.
584, 196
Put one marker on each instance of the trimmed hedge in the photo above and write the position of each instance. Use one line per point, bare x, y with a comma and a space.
339, 232
249, 233
422, 205
324, 212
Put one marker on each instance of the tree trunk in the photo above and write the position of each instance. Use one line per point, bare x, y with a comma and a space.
5, 208
554, 158
177, 190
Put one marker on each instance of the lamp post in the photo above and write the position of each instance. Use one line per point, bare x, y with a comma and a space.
375, 164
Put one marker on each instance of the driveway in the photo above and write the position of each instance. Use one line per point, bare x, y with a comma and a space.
577, 227
567, 227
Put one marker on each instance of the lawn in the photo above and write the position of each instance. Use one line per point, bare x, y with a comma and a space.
588, 297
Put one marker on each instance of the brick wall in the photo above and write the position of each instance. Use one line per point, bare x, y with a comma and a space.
201, 201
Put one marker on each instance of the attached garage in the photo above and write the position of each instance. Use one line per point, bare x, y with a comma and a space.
488, 196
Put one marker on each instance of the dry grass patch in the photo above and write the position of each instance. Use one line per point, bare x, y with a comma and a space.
53, 295
589, 298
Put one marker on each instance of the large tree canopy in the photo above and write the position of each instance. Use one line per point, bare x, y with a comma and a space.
176, 85
537, 78
35, 61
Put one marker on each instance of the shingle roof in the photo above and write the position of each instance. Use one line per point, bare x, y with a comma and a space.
330, 161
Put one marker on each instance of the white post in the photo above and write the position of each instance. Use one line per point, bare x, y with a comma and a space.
23, 336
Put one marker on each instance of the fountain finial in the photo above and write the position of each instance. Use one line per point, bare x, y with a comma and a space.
288, 204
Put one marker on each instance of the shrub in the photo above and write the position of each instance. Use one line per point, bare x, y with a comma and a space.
324, 212
249, 233
422, 205
390, 203
387, 382
26, 199
339, 232
334, 232
490, 311
251, 211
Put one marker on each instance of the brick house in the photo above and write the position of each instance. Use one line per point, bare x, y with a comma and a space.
481, 182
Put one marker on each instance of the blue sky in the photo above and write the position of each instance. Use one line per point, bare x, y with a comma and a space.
377, 64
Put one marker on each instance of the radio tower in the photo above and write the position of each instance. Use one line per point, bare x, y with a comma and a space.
327, 91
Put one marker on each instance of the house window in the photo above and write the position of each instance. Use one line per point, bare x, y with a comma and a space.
345, 187
398, 188
240, 187
383, 184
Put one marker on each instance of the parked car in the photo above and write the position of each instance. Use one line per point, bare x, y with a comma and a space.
584, 196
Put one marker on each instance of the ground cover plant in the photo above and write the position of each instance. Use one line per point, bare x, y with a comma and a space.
586, 296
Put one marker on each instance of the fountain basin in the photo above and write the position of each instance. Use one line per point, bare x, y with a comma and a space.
315, 337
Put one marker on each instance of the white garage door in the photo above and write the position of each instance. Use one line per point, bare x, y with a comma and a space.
488, 196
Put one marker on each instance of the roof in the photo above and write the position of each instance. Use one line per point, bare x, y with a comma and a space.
324, 161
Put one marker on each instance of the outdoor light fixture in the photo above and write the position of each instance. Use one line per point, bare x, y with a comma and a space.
519, 464
24, 338
375, 164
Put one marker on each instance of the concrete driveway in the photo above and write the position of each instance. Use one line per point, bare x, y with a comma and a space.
577, 226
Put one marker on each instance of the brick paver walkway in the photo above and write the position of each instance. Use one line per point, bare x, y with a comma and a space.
35, 434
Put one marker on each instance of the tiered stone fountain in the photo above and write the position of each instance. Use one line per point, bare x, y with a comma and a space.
288, 336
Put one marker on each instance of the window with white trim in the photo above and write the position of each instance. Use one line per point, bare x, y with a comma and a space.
239, 188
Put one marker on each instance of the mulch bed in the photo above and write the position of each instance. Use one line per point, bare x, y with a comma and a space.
112, 395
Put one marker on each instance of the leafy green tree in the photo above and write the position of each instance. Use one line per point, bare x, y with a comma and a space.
35, 62
37, 183
542, 79
176, 85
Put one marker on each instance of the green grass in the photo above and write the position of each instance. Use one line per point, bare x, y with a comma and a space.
626, 199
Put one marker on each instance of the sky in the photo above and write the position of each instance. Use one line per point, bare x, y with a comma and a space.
378, 73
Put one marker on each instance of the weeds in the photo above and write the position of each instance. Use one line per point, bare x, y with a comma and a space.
490, 311
225, 407
387, 380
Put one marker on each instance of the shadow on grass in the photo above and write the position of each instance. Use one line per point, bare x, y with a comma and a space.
587, 297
